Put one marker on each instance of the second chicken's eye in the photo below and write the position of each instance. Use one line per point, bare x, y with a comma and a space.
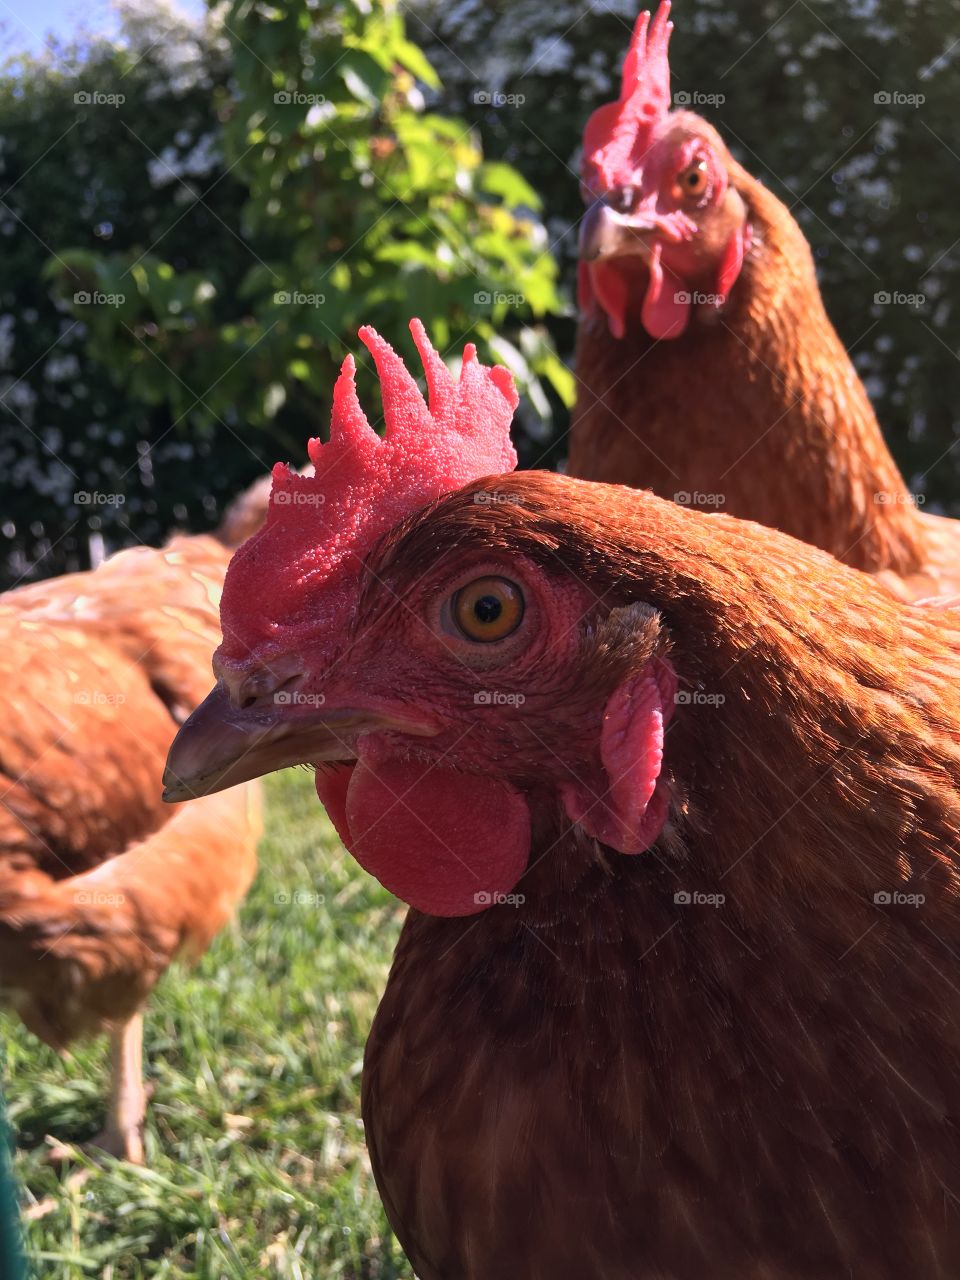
488, 609
622, 199
694, 180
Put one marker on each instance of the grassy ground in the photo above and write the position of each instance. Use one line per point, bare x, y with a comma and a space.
257, 1166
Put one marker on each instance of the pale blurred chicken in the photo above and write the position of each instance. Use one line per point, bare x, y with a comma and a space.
100, 887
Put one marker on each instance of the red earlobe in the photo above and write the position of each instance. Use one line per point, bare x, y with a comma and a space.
626, 811
731, 263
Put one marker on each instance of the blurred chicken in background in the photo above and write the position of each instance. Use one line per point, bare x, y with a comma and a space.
708, 368
100, 887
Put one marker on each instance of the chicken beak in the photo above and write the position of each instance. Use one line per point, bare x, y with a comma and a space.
604, 233
221, 745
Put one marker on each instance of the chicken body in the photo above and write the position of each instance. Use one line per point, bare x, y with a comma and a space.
755, 407
100, 889
731, 1056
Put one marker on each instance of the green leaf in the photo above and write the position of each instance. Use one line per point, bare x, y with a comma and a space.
365, 80
561, 379
504, 181
415, 61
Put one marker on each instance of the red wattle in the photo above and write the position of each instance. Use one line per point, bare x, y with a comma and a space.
584, 288
332, 784
446, 843
666, 307
612, 294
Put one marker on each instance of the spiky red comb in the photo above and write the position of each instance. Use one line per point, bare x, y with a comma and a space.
618, 134
319, 527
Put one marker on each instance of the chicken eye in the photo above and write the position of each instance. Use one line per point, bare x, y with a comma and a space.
693, 181
621, 199
488, 609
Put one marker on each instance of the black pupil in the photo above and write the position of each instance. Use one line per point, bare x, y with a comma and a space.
694, 178
487, 609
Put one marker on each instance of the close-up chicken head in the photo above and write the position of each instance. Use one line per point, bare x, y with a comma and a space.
453, 683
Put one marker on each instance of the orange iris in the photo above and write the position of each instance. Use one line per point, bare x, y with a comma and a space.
488, 609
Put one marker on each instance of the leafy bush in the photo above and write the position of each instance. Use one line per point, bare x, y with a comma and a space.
84, 174
224, 213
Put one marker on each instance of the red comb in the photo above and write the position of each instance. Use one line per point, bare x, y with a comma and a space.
319, 527
618, 134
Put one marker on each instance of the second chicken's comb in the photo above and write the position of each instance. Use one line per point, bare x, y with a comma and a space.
618, 133
320, 526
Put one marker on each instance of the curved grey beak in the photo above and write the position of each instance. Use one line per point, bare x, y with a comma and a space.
604, 233
221, 744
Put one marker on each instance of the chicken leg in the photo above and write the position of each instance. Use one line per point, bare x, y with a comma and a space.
122, 1135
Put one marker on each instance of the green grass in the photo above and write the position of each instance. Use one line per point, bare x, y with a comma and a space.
256, 1162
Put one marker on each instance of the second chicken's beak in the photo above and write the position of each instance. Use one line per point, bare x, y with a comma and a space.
221, 745
605, 233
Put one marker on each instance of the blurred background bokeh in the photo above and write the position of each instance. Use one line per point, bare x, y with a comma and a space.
198, 208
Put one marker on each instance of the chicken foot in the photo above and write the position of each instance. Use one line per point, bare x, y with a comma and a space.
122, 1135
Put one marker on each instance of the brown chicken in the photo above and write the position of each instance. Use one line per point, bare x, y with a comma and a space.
708, 369
100, 888
675, 799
